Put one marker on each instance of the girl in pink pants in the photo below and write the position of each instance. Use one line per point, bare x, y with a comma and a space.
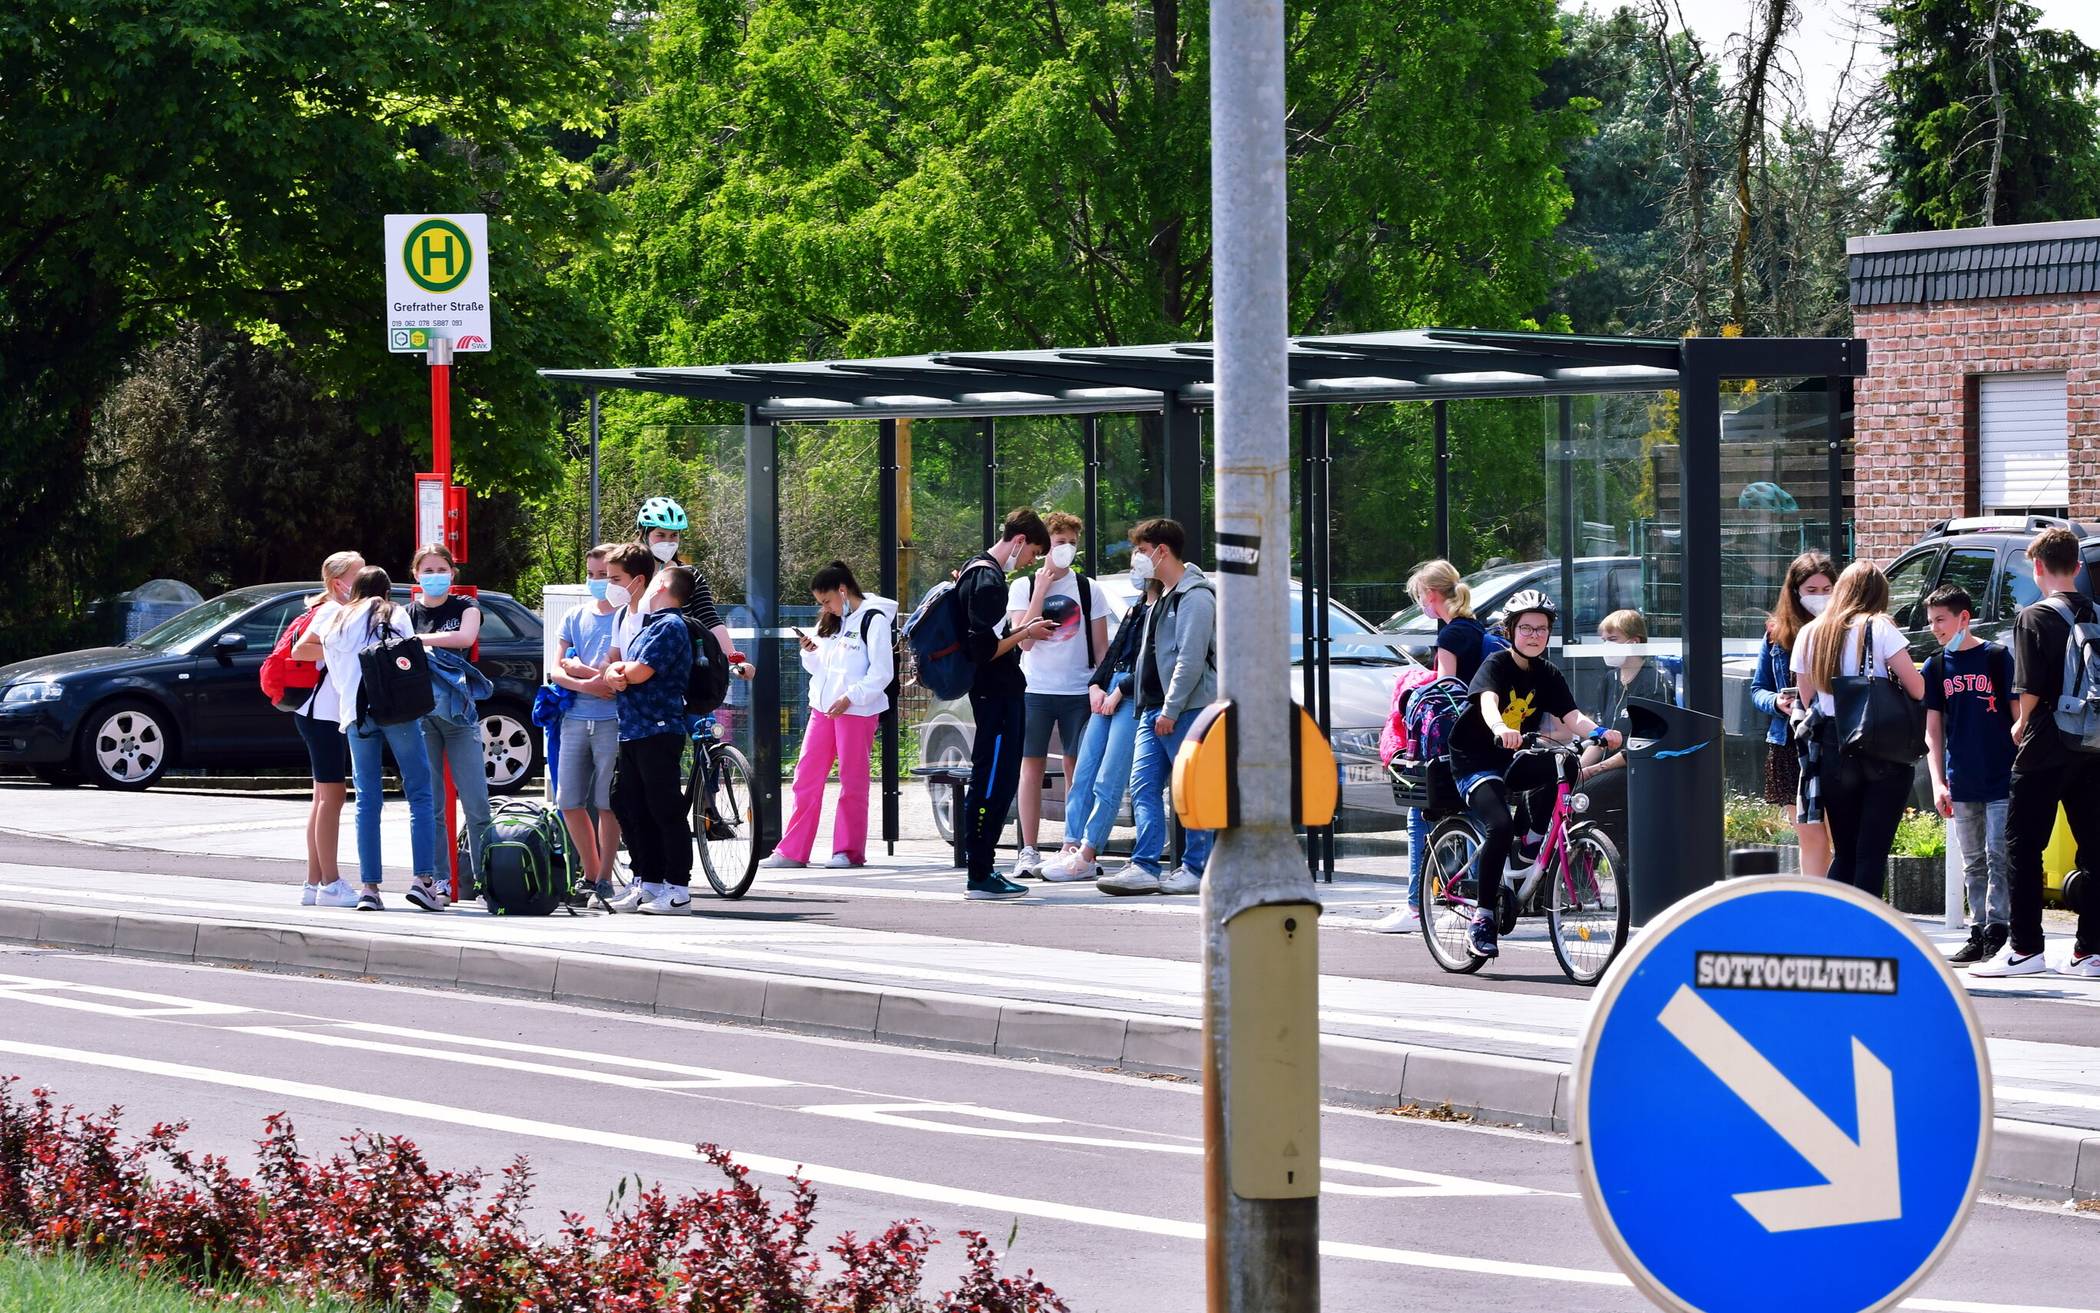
850, 662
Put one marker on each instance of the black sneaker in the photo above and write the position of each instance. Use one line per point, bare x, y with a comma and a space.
1480, 936
1995, 938
998, 889
1974, 951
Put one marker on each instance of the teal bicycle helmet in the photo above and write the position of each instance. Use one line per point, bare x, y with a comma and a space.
661, 513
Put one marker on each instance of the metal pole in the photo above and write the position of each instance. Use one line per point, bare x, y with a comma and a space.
1442, 474
1323, 614
595, 538
1090, 438
1567, 519
1183, 439
1835, 406
762, 592
1261, 1080
1310, 516
886, 515
1698, 512
991, 480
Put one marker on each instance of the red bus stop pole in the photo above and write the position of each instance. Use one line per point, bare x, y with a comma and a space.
441, 465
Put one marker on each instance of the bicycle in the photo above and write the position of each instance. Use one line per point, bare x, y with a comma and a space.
718, 790
1584, 901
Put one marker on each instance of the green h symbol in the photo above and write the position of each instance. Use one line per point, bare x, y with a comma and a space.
436, 247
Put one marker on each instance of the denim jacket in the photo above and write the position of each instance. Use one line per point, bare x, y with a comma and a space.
457, 684
1773, 673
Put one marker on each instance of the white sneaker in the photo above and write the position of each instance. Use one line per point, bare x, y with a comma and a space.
841, 862
1070, 869
1028, 866
779, 861
1403, 921
637, 894
423, 893
2086, 965
306, 893
340, 894
674, 900
2011, 963
1181, 880
1132, 879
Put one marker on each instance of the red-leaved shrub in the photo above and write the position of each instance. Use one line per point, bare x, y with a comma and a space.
378, 1225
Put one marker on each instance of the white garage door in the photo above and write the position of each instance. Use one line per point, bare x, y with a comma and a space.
2024, 435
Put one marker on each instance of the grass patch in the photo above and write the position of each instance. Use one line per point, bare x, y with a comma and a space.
66, 1283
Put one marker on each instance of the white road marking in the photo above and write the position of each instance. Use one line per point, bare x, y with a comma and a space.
907, 1116
849, 1179
61, 994
679, 1078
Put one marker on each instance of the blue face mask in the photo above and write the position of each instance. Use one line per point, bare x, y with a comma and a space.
1961, 636
598, 587
435, 585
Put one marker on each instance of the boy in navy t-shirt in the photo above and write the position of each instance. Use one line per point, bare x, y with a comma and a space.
1968, 732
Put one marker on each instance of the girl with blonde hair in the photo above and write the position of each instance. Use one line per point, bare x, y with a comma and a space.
326, 751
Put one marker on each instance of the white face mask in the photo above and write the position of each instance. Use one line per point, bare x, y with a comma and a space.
1140, 569
664, 551
1062, 555
1616, 655
1815, 603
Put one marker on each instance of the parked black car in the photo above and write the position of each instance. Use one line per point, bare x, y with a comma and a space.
187, 693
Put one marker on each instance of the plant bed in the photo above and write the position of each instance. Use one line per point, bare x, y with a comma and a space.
1917, 885
377, 1227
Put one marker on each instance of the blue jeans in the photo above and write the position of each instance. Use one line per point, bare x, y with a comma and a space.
368, 744
1101, 778
446, 741
1417, 849
1148, 790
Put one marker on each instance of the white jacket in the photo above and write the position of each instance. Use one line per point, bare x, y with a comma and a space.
843, 667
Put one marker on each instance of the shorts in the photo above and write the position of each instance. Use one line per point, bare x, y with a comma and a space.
1068, 713
584, 771
1782, 774
326, 749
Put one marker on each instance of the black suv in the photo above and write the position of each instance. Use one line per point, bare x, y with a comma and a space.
188, 693
1987, 556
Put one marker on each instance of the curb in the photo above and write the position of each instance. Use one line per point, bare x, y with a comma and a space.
2032, 1159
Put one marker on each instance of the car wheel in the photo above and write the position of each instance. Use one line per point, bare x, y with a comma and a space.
125, 745
510, 748
59, 777
948, 750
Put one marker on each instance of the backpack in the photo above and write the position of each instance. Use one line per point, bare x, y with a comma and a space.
283, 677
867, 622
528, 867
394, 674
2078, 706
1432, 713
935, 636
1491, 642
707, 684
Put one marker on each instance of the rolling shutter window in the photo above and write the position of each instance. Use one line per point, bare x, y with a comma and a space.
2023, 433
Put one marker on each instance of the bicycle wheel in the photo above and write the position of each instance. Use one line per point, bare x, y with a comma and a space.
1587, 909
1447, 895
723, 823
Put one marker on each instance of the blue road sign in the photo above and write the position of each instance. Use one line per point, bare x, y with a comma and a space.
1782, 1102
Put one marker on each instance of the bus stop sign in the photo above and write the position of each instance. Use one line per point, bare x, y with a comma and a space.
1782, 1102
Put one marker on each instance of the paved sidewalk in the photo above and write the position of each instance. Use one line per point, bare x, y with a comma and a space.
954, 974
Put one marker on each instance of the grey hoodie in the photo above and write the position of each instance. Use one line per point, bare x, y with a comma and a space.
1179, 643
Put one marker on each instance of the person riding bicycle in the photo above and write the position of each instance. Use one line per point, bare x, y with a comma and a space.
1512, 694
659, 525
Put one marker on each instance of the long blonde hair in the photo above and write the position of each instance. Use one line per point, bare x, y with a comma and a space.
335, 567
1862, 593
1440, 576
372, 593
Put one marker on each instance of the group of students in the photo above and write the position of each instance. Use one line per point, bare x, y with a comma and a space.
625, 657
2000, 768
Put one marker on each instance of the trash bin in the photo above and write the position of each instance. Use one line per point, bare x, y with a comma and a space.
1673, 805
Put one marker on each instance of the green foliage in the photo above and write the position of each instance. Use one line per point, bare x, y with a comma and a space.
64, 1283
1920, 834
1745, 819
229, 161
1945, 118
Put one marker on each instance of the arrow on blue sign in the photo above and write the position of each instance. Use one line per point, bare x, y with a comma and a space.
1862, 1180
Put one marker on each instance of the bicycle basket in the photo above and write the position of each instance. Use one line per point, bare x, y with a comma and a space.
1425, 786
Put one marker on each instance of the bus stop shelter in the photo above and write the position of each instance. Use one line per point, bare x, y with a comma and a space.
1169, 389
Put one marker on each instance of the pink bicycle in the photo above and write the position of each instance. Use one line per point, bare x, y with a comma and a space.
1575, 881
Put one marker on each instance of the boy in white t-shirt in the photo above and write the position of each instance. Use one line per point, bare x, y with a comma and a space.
1057, 668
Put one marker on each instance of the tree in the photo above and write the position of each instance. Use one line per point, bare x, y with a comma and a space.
229, 161
1992, 117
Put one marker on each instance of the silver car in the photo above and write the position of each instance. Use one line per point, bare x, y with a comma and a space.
1363, 669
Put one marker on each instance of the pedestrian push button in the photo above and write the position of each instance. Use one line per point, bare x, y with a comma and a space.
1206, 771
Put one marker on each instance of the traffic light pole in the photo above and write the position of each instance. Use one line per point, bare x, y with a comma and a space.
1261, 963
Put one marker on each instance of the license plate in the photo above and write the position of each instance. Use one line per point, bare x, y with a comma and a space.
1355, 774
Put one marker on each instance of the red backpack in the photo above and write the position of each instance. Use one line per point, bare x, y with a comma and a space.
287, 683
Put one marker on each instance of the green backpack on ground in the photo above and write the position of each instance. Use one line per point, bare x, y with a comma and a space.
528, 866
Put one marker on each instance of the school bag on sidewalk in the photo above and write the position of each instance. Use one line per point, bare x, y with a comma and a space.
288, 683
528, 866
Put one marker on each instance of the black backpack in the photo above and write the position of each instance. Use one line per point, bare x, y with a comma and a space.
393, 673
707, 684
528, 867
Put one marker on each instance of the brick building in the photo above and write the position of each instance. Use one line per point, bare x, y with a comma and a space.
1982, 393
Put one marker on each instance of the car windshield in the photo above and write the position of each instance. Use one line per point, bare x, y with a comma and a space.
204, 618
1489, 585
1343, 626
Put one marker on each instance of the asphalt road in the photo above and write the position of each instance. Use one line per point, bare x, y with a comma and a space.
1096, 1175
